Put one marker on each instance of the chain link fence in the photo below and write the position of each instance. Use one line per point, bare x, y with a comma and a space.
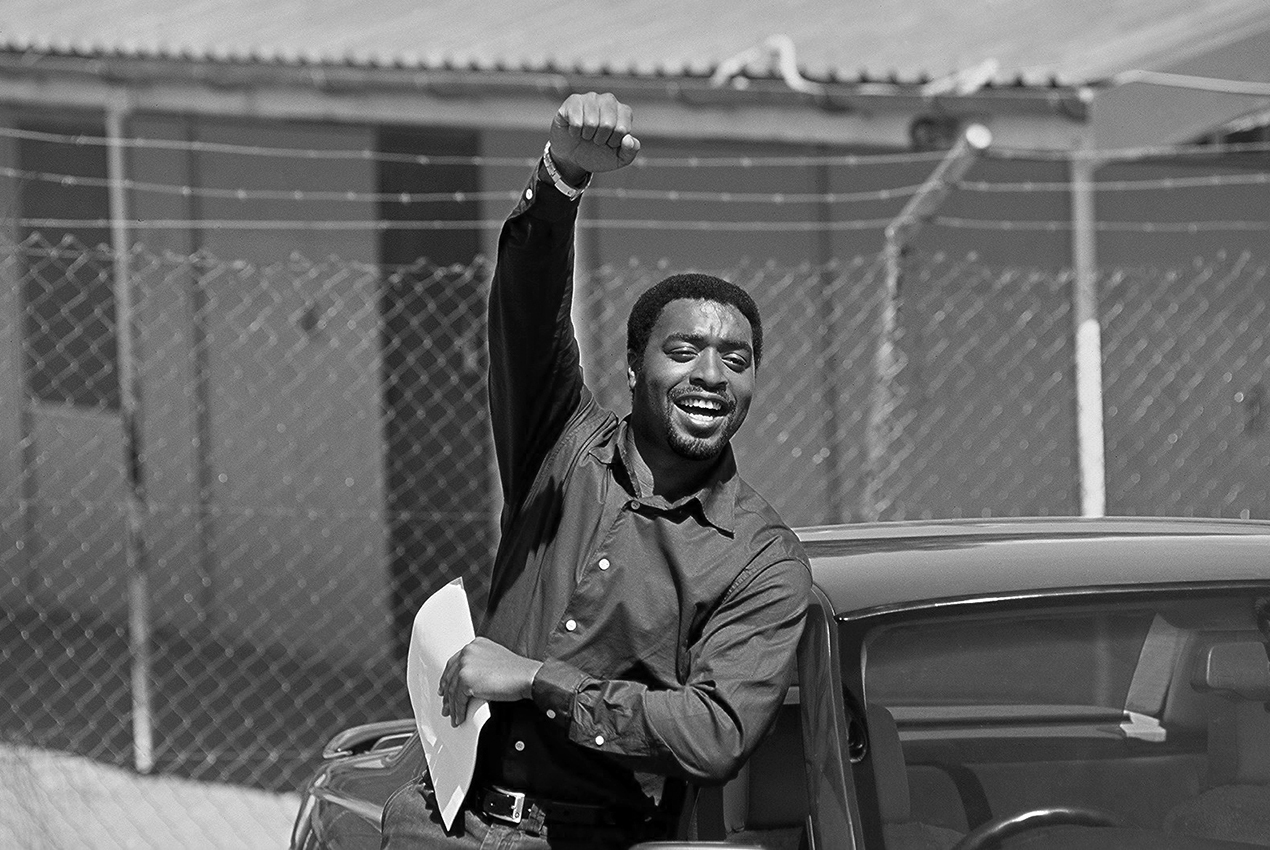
209, 572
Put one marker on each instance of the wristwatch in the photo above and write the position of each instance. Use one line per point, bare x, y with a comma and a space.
570, 192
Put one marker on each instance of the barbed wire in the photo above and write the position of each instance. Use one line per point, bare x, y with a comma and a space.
695, 161
367, 154
1128, 154
1259, 178
1255, 178
461, 196
1105, 226
440, 224
764, 226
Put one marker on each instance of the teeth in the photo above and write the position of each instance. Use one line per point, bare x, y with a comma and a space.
704, 405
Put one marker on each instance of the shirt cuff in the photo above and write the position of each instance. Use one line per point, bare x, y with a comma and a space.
554, 688
542, 200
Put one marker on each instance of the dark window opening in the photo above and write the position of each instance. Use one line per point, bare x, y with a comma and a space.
433, 308
68, 295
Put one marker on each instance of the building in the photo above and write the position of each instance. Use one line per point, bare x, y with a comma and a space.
183, 114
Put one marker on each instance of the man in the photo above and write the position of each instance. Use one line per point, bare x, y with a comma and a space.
645, 604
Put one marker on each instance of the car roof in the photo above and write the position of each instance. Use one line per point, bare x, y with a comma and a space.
866, 567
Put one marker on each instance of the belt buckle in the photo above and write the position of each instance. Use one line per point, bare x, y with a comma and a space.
507, 806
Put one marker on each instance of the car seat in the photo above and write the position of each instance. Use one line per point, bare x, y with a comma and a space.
1235, 806
890, 773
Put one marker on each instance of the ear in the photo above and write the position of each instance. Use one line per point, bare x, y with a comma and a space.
630, 370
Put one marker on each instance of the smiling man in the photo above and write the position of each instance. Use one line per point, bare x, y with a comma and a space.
645, 602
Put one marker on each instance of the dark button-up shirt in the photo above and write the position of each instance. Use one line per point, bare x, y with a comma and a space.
667, 630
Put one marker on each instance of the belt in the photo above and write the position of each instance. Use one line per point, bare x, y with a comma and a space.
535, 814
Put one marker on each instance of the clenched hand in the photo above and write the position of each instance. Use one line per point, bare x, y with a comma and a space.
484, 670
592, 132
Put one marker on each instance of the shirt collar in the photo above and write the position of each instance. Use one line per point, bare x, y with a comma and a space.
715, 499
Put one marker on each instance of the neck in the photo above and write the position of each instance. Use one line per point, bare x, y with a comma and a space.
661, 472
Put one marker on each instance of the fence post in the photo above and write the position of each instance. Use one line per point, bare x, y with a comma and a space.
887, 363
1090, 446
130, 419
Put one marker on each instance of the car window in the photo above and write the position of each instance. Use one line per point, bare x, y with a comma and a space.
1028, 659
1133, 705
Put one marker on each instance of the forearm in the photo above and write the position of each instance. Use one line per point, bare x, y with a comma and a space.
534, 372
700, 732
705, 728
535, 380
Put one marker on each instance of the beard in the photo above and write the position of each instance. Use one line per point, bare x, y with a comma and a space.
702, 448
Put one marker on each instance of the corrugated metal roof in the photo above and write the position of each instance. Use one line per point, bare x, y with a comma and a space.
1033, 41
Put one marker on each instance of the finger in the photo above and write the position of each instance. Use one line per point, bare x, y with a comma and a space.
622, 125
607, 121
448, 674
590, 116
458, 709
570, 115
629, 150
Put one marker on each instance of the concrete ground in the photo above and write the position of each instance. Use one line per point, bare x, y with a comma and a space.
55, 801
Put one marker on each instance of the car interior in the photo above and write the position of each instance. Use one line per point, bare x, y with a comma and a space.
1129, 726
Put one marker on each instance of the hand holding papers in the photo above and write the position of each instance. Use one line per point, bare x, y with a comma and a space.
442, 627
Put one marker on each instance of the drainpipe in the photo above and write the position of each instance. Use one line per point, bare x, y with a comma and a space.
887, 361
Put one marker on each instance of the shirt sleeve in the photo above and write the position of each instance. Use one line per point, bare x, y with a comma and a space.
705, 729
535, 377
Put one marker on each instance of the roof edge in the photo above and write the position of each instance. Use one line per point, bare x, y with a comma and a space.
443, 78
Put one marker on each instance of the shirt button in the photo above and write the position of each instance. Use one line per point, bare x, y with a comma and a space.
633, 504
571, 624
529, 194
520, 746
599, 740
551, 713
604, 563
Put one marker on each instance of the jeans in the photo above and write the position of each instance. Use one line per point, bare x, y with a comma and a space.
412, 821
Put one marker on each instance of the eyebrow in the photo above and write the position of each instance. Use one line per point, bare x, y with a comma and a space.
700, 341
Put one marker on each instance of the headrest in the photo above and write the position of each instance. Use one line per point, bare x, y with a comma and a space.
1238, 669
889, 771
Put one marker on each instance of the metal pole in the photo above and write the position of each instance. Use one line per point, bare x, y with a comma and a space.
139, 631
827, 273
887, 361
1090, 445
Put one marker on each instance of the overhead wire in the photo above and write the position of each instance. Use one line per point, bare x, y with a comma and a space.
245, 195
1104, 226
693, 161
764, 226
242, 194
1255, 178
367, 154
327, 196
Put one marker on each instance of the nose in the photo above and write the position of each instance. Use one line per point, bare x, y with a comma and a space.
708, 370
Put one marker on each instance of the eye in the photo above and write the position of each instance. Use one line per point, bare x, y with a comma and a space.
737, 362
682, 354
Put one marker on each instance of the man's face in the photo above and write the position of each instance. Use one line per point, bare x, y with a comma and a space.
694, 387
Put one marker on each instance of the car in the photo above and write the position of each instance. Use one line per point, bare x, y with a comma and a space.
1048, 683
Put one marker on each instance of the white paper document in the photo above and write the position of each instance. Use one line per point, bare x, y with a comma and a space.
442, 627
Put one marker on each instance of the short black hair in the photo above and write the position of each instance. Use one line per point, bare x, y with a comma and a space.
692, 286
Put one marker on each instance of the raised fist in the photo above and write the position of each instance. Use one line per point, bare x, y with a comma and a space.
592, 132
